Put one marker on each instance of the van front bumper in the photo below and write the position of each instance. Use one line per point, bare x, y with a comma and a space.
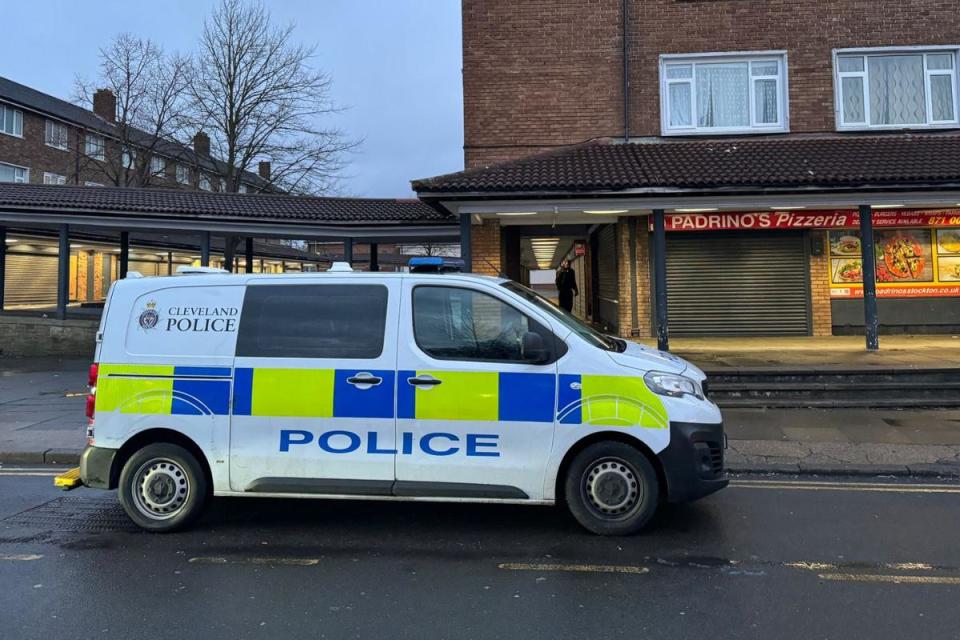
693, 461
96, 465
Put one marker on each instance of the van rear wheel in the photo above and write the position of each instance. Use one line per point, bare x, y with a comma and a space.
612, 489
163, 487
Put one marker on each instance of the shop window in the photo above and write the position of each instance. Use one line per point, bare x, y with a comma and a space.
724, 93
11, 121
889, 89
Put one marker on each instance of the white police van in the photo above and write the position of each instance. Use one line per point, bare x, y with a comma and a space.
444, 387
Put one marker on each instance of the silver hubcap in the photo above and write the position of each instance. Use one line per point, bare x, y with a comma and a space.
161, 489
612, 488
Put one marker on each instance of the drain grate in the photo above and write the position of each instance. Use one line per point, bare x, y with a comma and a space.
74, 514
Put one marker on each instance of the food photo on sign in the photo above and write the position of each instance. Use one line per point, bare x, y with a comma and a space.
948, 247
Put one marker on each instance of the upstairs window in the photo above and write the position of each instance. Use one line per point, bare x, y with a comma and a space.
13, 173
896, 89
128, 158
55, 135
205, 182
93, 146
158, 166
723, 93
11, 121
53, 178
183, 174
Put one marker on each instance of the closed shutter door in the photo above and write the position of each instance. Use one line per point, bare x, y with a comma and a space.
608, 290
738, 284
30, 280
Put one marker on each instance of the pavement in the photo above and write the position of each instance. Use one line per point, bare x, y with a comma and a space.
830, 352
42, 421
792, 559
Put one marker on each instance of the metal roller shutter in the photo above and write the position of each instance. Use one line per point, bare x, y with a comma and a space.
608, 288
30, 280
738, 284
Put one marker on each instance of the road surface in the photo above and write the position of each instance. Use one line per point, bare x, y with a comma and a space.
765, 558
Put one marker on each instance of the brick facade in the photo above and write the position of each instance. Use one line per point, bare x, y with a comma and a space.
626, 324
486, 248
543, 73
820, 291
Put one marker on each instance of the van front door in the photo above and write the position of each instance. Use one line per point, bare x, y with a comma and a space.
314, 385
476, 394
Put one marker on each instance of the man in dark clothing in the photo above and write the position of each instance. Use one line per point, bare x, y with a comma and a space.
566, 285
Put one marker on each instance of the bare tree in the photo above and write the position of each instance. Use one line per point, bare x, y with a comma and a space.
149, 87
256, 95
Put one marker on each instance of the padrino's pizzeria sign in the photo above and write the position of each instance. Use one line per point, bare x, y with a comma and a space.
835, 219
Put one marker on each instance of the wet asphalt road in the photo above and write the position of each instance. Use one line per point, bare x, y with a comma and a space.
758, 560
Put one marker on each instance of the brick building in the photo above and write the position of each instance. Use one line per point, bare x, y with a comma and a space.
768, 138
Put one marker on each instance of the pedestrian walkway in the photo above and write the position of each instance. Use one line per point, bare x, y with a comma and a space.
833, 352
42, 420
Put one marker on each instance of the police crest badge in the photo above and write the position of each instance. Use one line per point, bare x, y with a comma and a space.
149, 318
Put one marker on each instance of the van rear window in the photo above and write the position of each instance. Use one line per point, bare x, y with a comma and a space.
313, 321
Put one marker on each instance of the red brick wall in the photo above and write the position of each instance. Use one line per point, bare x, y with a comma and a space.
540, 73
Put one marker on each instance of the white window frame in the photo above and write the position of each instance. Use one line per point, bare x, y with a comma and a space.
204, 183
183, 174
17, 120
26, 173
838, 76
99, 146
783, 107
158, 166
128, 158
87, 183
48, 127
53, 178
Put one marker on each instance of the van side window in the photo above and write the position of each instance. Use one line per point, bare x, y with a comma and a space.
461, 324
313, 321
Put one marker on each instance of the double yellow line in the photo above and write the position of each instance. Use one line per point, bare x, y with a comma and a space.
870, 487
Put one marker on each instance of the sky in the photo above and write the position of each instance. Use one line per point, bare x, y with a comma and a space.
395, 67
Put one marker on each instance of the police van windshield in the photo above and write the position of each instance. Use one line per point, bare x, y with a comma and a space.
568, 320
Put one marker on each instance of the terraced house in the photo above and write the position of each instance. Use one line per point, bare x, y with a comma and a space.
718, 167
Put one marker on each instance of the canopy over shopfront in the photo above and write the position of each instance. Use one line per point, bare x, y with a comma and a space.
794, 235
51, 236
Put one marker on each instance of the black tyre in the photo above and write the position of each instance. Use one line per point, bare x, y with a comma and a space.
163, 487
612, 489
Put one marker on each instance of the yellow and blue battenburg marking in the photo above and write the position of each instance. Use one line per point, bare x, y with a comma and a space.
484, 396
163, 389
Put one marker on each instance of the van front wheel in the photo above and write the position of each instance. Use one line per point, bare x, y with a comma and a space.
612, 489
162, 487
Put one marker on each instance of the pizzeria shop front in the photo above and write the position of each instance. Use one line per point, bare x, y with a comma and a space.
800, 272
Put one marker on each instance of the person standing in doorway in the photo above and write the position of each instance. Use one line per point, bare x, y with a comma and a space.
566, 285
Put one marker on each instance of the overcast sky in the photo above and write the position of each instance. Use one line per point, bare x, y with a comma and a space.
395, 66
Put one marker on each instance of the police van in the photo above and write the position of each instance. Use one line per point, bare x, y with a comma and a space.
418, 386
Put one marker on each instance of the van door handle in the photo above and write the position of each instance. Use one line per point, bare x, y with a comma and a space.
424, 381
364, 380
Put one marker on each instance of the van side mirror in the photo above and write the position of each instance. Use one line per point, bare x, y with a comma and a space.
534, 348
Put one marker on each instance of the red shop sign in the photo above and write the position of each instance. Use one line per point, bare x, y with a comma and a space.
831, 219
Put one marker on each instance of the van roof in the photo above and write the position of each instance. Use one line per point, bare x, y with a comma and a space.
219, 279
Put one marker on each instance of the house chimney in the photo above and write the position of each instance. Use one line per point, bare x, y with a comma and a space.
201, 144
105, 104
264, 170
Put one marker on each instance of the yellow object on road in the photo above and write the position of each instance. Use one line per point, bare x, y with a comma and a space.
68, 480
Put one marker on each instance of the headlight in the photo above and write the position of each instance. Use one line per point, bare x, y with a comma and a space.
668, 384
